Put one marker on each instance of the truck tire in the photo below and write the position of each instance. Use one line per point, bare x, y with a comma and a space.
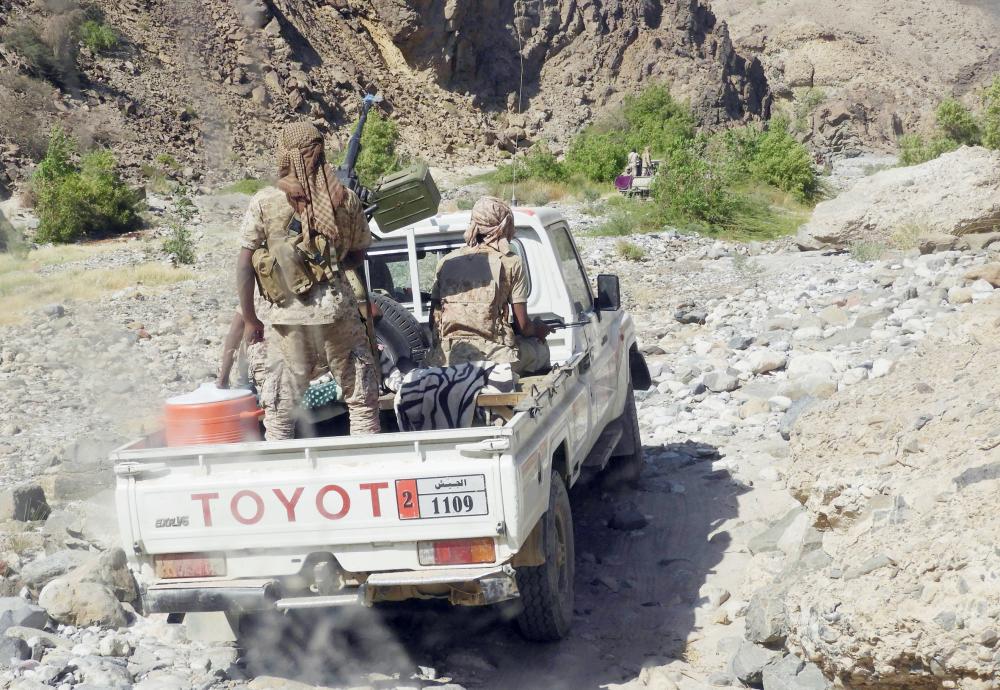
547, 590
625, 465
398, 334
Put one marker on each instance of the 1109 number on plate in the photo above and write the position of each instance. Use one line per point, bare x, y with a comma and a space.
441, 497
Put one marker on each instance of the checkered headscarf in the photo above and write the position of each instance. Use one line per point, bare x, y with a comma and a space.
305, 176
491, 221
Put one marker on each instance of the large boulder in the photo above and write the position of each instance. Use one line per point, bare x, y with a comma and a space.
955, 194
24, 503
15, 611
40, 572
111, 570
81, 603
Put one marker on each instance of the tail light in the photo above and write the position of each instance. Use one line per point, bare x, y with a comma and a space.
457, 551
179, 565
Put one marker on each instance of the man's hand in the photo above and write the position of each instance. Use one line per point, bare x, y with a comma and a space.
253, 330
541, 329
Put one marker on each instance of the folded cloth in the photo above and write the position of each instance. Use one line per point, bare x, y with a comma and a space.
445, 397
320, 394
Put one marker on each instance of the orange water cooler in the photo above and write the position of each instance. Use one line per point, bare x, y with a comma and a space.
212, 415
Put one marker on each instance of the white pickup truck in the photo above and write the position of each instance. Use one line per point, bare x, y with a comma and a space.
475, 515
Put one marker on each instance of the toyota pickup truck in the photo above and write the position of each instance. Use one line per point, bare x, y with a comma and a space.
475, 516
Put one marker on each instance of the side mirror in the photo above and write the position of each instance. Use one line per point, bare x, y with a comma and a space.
609, 294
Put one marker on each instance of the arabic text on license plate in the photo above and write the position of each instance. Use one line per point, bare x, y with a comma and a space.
441, 497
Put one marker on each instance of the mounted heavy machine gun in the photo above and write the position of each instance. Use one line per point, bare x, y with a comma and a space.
399, 199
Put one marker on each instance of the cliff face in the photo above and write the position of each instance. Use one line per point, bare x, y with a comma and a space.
207, 81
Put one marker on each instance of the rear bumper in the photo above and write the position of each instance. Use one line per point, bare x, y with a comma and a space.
199, 597
465, 586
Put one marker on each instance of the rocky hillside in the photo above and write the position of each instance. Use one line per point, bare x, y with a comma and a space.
876, 69
207, 82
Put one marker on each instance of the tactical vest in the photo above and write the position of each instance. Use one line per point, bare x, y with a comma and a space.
472, 303
284, 266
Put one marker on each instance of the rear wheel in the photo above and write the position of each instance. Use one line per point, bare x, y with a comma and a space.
547, 590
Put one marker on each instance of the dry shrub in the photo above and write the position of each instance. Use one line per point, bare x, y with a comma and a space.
25, 104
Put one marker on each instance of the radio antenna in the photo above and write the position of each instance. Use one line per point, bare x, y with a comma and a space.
520, 91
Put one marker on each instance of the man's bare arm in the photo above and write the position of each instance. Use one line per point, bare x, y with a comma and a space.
229, 347
253, 329
526, 326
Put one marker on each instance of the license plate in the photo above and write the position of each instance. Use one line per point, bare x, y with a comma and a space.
179, 565
441, 497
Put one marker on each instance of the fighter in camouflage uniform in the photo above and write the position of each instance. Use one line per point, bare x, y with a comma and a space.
476, 288
300, 268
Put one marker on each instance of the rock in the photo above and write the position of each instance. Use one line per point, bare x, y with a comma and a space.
767, 618
957, 193
260, 95
791, 673
81, 603
628, 518
39, 572
988, 272
46, 639
164, 680
804, 365
959, 295
779, 403
982, 240
941, 242
54, 311
749, 661
696, 316
881, 367
111, 570
719, 381
15, 611
771, 539
763, 361
833, 316
24, 503
740, 342
13, 649
792, 415
754, 407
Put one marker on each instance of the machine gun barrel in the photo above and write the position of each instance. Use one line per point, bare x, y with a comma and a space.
346, 170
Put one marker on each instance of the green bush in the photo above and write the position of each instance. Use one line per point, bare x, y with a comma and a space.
99, 37
914, 149
248, 186
76, 202
538, 164
655, 119
179, 244
957, 123
689, 188
780, 160
630, 251
378, 149
596, 156
991, 115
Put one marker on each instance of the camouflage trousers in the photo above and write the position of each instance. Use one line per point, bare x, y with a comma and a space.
266, 373
296, 354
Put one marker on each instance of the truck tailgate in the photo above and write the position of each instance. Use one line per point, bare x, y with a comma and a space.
337, 492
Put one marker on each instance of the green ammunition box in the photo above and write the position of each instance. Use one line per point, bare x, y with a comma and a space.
406, 197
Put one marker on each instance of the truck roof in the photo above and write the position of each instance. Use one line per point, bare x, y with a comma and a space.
447, 223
